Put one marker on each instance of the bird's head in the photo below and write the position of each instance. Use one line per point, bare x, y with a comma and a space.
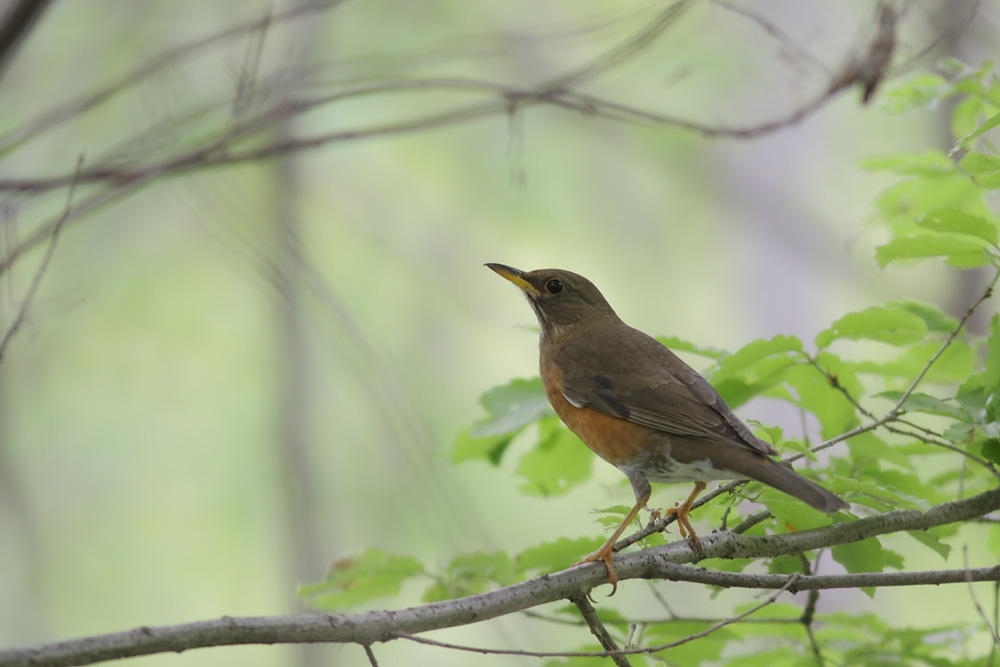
561, 299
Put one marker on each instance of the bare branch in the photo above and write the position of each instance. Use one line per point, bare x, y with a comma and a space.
612, 653
664, 562
42, 267
597, 628
16, 23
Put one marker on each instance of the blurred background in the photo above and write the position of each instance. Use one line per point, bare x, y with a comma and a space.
233, 374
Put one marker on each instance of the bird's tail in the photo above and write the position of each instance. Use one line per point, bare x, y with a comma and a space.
785, 479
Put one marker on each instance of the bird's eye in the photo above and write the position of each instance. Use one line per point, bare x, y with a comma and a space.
554, 286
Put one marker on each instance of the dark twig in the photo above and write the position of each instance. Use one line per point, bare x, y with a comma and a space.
371, 655
20, 17
975, 601
42, 267
611, 653
597, 628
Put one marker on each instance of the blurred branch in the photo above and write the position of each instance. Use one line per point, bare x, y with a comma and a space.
491, 98
170, 57
19, 19
42, 268
664, 562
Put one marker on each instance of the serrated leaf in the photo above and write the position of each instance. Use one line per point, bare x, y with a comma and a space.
954, 365
895, 326
931, 315
957, 252
754, 368
887, 495
949, 220
556, 555
984, 169
746, 357
862, 556
931, 541
919, 402
353, 581
557, 463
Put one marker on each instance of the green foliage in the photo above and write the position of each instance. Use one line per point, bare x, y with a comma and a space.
355, 581
936, 386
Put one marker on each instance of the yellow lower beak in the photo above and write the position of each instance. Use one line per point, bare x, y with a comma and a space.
516, 276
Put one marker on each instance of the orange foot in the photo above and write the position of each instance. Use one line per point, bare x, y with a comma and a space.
604, 554
683, 511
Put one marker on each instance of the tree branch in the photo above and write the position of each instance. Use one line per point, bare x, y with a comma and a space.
664, 562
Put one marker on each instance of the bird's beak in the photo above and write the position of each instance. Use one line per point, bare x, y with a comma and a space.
516, 276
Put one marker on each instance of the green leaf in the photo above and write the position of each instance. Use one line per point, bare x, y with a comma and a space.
468, 574
511, 406
930, 164
792, 513
991, 122
931, 315
491, 448
813, 392
931, 541
991, 450
920, 91
706, 649
867, 446
918, 402
557, 463
556, 555
744, 359
948, 220
954, 365
957, 252
863, 556
904, 202
754, 368
991, 374
984, 169
375, 574
509, 409
889, 497
895, 326
678, 345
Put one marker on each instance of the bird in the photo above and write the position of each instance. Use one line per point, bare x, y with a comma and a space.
639, 407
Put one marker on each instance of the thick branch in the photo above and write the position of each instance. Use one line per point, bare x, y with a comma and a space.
660, 562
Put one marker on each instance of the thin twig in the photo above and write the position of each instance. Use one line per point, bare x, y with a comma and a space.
371, 655
37, 280
609, 653
809, 614
975, 600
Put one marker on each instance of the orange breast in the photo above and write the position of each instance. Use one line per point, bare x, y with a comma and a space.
615, 440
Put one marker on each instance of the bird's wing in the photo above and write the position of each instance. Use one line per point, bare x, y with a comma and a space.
645, 383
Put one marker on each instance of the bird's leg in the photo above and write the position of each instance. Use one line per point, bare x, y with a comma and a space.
606, 550
683, 510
